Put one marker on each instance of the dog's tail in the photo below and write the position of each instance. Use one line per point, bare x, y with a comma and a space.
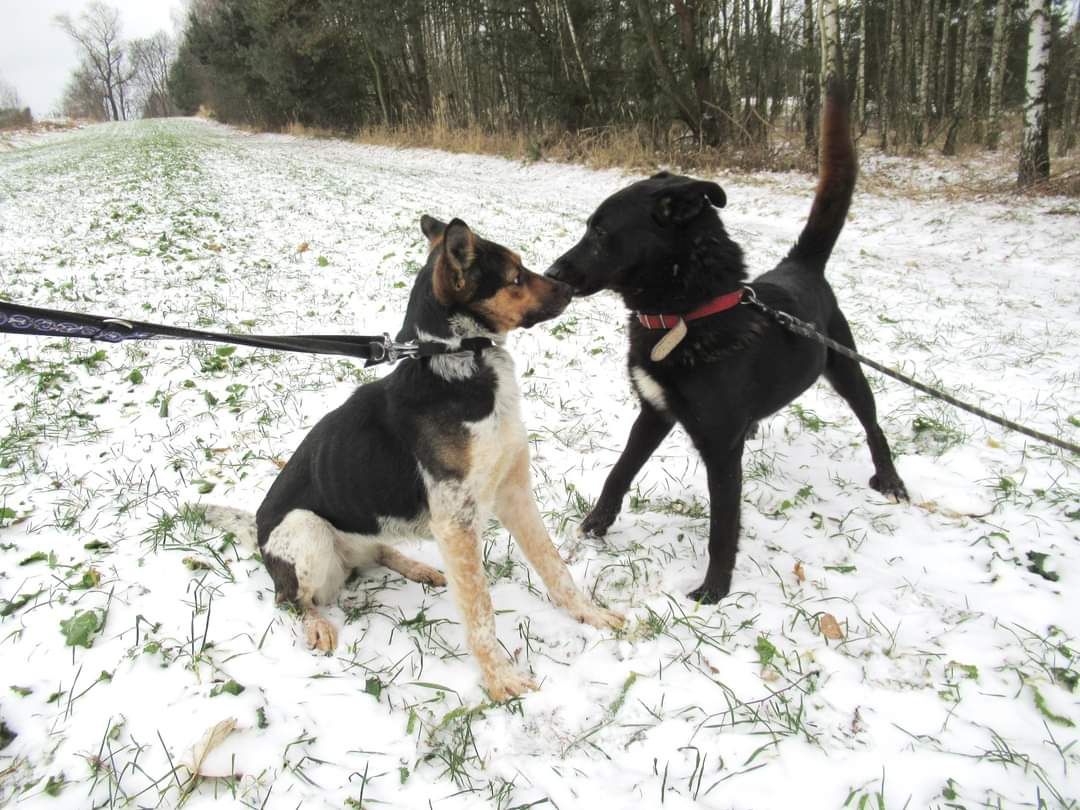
836, 181
236, 522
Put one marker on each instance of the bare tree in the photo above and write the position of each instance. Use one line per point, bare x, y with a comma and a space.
1035, 145
9, 96
83, 96
97, 33
151, 59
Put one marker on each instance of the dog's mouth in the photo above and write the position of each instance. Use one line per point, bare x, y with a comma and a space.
553, 307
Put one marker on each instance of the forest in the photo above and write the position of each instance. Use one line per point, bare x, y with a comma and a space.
738, 80
707, 72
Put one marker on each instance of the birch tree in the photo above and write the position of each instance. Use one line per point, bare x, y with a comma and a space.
1035, 144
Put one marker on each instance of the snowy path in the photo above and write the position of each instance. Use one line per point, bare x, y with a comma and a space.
955, 684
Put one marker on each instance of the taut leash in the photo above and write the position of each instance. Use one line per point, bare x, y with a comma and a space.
799, 327
18, 319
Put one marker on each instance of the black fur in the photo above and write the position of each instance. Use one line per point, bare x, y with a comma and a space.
662, 247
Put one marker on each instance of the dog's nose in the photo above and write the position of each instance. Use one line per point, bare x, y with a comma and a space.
555, 272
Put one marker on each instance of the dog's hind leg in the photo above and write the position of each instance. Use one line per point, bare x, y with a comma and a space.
516, 510
408, 568
303, 562
648, 431
846, 377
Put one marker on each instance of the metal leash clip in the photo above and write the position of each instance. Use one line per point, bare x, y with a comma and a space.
389, 351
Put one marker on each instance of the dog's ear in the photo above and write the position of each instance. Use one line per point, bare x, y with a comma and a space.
432, 228
450, 281
680, 202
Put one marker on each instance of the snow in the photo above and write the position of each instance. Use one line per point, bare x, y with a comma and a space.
951, 686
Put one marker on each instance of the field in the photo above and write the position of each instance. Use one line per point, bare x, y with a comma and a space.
129, 630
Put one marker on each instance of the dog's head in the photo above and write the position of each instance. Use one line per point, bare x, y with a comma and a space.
641, 230
488, 281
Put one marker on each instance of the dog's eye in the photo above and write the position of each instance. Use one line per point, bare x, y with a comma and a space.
600, 232
519, 278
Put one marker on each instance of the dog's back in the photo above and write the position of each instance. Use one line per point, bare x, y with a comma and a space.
836, 182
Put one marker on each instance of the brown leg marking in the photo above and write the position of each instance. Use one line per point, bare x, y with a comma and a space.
321, 635
516, 510
460, 544
410, 569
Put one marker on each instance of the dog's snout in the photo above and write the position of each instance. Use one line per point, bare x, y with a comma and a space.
563, 291
563, 273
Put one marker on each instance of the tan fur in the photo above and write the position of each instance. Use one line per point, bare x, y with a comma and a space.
516, 510
409, 568
498, 480
509, 307
321, 635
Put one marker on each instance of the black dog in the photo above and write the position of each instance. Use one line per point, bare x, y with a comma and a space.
661, 246
431, 449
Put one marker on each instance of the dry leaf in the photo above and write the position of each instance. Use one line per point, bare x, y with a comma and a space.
214, 737
302, 247
800, 572
830, 628
279, 463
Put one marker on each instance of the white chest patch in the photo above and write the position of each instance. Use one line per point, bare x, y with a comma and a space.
499, 437
648, 388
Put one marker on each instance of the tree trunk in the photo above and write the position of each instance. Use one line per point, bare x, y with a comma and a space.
890, 76
1035, 147
667, 78
1070, 114
860, 80
971, 62
929, 39
997, 73
810, 83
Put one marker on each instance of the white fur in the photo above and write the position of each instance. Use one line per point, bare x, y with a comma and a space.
648, 389
458, 366
237, 521
310, 544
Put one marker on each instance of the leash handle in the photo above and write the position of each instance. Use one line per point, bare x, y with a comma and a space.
807, 330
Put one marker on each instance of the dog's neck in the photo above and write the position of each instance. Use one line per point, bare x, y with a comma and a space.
709, 264
430, 321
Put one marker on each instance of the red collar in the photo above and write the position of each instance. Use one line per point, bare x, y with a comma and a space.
667, 321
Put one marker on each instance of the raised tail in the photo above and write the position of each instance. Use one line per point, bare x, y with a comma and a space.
235, 521
838, 167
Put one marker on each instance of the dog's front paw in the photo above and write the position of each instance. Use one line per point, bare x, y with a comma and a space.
708, 593
890, 486
589, 613
597, 522
505, 682
321, 635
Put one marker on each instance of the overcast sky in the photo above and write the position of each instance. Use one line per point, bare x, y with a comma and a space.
36, 57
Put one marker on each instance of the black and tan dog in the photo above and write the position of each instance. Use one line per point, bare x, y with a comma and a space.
432, 449
660, 245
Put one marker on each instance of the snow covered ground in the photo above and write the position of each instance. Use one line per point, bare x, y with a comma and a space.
954, 683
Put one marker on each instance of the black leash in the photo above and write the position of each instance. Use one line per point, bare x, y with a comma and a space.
17, 319
799, 327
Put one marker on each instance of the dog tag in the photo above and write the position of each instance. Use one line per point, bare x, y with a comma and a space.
668, 342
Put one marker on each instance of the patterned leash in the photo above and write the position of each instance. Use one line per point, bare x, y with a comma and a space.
18, 319
799, 327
